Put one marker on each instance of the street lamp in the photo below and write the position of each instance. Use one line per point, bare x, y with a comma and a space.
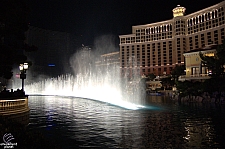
23, 67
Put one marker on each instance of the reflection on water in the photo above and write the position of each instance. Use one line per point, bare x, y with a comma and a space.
81, 123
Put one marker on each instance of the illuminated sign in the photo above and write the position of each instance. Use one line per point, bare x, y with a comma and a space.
51, 65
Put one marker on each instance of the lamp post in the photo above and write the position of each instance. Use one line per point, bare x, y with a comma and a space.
23, 67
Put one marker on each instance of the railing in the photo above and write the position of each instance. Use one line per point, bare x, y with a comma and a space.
200, 75
183, 76
196, 76
13, 104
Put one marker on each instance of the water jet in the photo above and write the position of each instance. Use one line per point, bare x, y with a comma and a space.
102, 83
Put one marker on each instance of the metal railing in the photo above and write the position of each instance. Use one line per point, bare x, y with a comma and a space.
195, 76
200, 75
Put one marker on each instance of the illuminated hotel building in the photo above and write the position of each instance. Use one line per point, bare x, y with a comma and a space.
158, 47
109, 59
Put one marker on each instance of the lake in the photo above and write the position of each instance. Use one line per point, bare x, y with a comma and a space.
68, 122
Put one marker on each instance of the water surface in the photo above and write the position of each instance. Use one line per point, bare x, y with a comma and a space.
81, 123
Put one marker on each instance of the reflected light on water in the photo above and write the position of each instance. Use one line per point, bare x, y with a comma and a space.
198, 130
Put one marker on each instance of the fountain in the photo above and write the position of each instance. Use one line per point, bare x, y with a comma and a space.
102, 83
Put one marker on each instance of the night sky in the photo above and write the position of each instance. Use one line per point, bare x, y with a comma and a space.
89, 19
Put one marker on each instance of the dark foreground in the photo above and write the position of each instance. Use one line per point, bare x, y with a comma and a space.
78, 123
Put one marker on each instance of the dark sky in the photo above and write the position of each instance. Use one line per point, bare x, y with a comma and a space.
93, 18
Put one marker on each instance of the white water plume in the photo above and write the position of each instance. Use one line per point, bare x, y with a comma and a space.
102, 83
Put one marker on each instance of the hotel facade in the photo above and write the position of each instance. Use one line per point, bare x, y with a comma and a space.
158, 47
195, 69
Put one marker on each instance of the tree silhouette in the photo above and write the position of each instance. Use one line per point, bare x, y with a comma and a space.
216, 84
13, 24
178, 71
215, 63
151, 76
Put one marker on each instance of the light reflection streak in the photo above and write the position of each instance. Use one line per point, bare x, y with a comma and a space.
198, 130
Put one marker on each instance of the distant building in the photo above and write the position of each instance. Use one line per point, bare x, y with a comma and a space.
157, 47
195, 69
109, 59
153, 85
54, 51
